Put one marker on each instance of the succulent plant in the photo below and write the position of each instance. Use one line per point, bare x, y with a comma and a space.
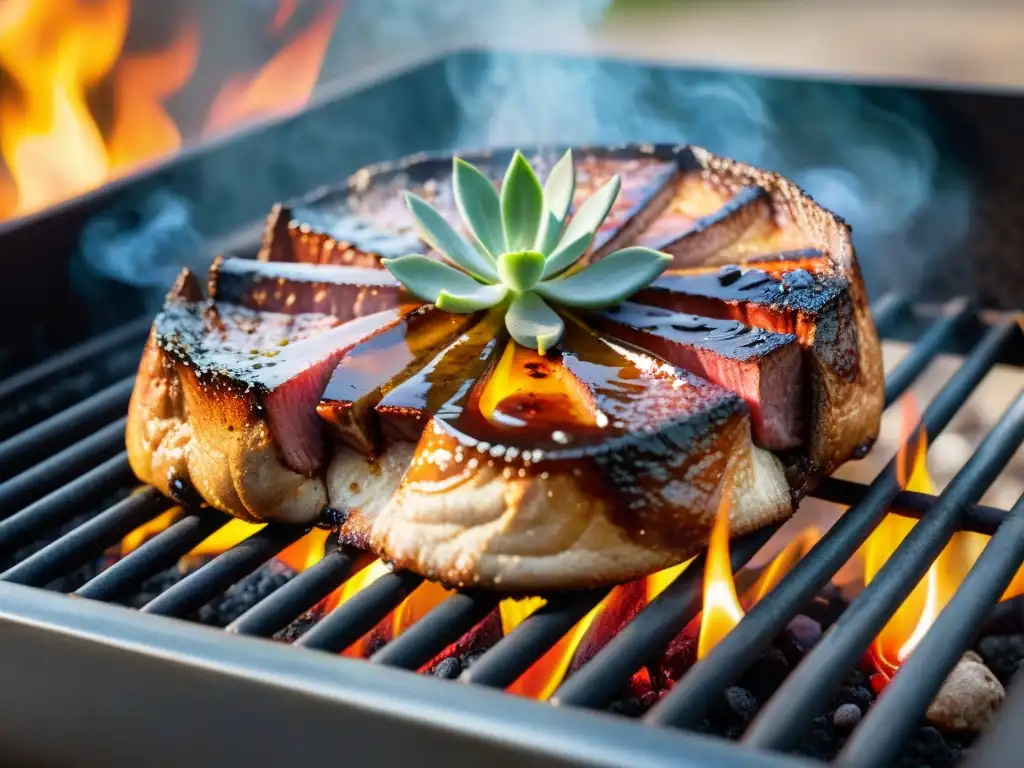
522, 251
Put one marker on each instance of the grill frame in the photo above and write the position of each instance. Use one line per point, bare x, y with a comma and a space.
95, 646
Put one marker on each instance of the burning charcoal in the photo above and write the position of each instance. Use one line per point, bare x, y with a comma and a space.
244, 595
929, 746
821, 742
846, 717
298, 628
968, 697
767, 673
1002, 654
736, 708
629, 707
1007, 618
800, 635
448, 669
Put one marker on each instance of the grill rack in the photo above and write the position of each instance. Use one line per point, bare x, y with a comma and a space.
79, 459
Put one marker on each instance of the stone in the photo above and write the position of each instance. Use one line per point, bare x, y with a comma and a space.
968, 698
448, 669
737, 706
846, 717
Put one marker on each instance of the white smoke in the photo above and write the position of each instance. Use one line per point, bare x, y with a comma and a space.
870, 158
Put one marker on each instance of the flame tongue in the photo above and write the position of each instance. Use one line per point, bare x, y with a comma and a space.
721, 610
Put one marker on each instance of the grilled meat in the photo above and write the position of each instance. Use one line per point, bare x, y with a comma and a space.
591, 465
763, 367
751, 365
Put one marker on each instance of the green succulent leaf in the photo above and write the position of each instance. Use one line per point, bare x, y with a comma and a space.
594, 211
559, 187
482, 297
427, 279
533, 323
478, 203
609, 281
567, 253
442, 235
521, 270
522, 204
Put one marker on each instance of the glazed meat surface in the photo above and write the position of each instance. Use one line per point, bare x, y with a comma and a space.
309, 381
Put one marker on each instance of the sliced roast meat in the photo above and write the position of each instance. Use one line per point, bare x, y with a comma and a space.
647, 187
405, 410
294, 288
319, 231
702, 241
816, 307
763, 367
246, 385
372, 368
591, 464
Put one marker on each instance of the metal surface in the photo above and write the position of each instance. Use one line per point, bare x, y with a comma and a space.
153, 678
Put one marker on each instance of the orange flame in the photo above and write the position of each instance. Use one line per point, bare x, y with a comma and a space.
721, 610
55, 55
921, 608
546, 674
284, 83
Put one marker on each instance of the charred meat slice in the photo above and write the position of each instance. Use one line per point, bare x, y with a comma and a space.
320, 231
377, 365
293, 288
592, 464
276, 364
226, 400
814, 306
647, 186
700, 241
763, 367
817, 307
405, 410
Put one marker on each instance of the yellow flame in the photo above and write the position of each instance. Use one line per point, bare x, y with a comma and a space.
721, 610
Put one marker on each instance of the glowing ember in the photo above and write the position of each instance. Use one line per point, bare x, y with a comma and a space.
721, 610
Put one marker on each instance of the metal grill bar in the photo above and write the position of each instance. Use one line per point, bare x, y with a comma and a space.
61, 468
209, 580
515, 653
65, 503
361, 613
923, 352
779, 723
887, 309
162, 551
20, 384
708, 678
436, 631
597, 683
88, 540
879, 738
977, 519
61, 429
287, 603
1000, 744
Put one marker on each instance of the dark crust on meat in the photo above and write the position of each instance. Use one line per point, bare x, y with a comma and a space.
296, 288
857, 406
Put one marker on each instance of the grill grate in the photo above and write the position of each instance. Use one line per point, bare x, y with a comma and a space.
56, 469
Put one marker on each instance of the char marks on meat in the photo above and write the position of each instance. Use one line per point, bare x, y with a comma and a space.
310, 378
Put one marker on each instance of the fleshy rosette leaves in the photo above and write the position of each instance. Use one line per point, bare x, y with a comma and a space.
521, 247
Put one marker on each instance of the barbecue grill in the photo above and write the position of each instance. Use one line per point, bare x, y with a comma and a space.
144, 687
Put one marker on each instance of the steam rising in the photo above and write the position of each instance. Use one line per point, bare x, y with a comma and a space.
869, 158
